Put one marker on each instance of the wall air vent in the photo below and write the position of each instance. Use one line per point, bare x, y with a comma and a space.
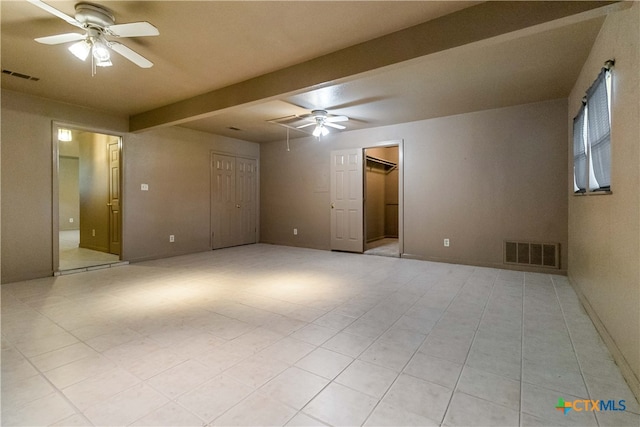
532, 254
20, 75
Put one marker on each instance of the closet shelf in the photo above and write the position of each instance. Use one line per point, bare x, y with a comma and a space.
388, 166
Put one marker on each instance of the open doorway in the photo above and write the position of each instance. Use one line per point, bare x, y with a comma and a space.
381, 211
87, 219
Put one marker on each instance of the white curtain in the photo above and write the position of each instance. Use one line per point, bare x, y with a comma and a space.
579, 154
599, 130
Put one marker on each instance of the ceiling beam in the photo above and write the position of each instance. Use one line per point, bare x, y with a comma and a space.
489, 21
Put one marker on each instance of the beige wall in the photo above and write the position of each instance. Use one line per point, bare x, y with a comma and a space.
27, 159
68, 191
476, 179
604, 230
173, 161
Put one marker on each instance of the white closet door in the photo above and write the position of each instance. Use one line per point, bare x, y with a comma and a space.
347, 200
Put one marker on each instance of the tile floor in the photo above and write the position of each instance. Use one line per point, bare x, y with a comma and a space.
73, 257
269, 335
383, 247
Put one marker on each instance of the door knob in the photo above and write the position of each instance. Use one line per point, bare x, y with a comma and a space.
238, 206
333, 206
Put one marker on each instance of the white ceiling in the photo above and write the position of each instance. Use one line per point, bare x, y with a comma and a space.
207, 46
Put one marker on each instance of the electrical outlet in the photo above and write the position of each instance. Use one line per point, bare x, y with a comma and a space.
144, 187
446, 243
70, 219
93, 233
295, 231
172, 238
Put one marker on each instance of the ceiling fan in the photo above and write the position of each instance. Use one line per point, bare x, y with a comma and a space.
98, 24
321, 119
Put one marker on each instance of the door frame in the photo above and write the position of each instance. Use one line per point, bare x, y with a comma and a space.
55, 190
211, 174
382, 144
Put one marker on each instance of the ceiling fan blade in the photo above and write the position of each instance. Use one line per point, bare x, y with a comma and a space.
133, 29
333, 119
61, 38
56, 12
132, 56
304, 126
333, 125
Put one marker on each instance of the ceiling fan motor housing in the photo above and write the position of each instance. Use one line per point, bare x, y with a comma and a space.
92, 15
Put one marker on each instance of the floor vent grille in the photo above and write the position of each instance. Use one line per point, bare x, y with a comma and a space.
530, 253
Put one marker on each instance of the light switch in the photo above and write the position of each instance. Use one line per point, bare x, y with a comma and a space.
144, 187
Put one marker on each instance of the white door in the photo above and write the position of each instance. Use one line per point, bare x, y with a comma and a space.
233, 201
347, 200
246, 199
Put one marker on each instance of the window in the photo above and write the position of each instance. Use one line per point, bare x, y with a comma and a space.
592, 137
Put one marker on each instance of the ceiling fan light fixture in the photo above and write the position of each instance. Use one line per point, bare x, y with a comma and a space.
320, 130
106, 63
81, 49
64, 135
100, 51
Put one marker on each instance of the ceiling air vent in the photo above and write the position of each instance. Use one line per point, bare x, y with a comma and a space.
532, 254
20, 75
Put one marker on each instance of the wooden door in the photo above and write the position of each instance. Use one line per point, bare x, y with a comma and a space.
115, 215
347, 200
233, 201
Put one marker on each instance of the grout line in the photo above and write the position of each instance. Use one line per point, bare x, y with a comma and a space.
575, 352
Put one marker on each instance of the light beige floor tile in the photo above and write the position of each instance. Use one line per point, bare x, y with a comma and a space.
153, 363
484, 385
541, 403
256, 371
348, 344
126, 407
338, 405
181, 378
257, 409
304, 420
99, 388
16, 369
43, 411
213, 398
112, 339
288, 350
420, 397
256, 339
196, 345
79, 370
392, 416
73, 420
56, 358
314, 334
20, 392
495, 363
388, 354
368, 378
467, 410
41, 345
169, 415
295, 387
334, 320
439, 371
610, 389
323, 362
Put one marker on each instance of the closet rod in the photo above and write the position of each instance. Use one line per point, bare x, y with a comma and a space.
381, 161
